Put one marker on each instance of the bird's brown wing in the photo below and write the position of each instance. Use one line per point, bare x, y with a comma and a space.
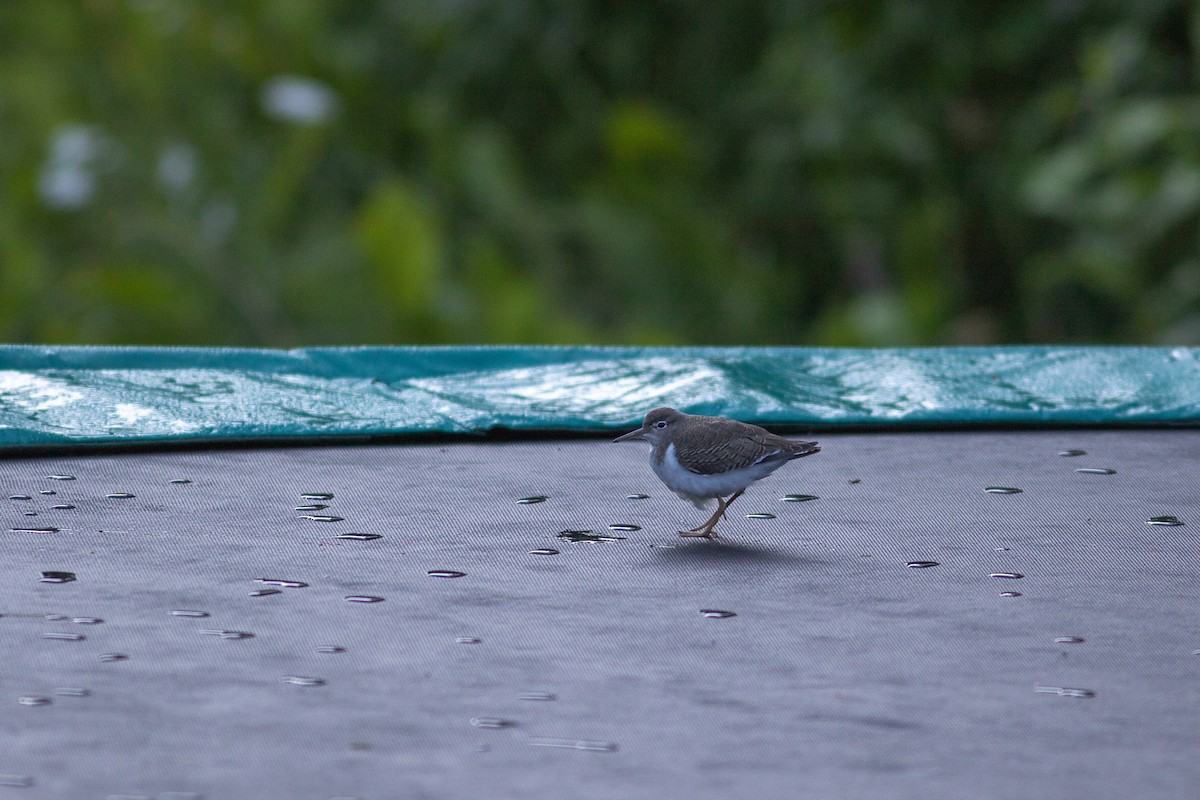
728, 445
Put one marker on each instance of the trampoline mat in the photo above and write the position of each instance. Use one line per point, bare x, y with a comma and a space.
599, 669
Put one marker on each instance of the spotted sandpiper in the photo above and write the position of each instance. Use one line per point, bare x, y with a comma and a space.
706, 458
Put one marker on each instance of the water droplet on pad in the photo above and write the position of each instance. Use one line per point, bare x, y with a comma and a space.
1009, 575
1072, 453
798, 498
624, 527
716, 613
312, 507
56, 576
1069, 640
1168, 521
120, 495
1010, 594
65, 637
922, 564
60, 477
1002, 490
542, 697
760, 515
329, 649
363, 598
492, 723
445, 573
637, 496
468, 640
265, 592
281, 583
587, 536
321, 517
179, 481
360, 537
34, 530
34, 700
303, 680
527, 501
109, 658
590, 745
316, 496
1065, 691
235, 635
188, 613
544, 551
1096, 471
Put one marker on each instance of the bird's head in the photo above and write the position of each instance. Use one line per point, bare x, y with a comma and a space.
658, 423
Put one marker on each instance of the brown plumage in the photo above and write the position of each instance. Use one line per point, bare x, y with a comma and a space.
704, 458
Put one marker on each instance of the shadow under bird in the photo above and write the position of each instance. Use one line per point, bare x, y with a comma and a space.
712, 458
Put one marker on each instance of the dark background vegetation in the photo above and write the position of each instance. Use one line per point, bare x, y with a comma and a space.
300, 172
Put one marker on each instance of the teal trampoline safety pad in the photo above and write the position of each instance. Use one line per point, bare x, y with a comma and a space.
108, 395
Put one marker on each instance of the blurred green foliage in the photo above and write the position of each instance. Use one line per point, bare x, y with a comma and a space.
863, 172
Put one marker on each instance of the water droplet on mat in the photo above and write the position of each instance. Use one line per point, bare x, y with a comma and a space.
591, 745
363, 598
1002, 490
587, 536
798, 498
1096, 471
303, 680
56, 576
492, 723
445, 573
527, 501
1066, 691
1168, 521
234, 635
716, 613
1009, 575
922, 564
544, 551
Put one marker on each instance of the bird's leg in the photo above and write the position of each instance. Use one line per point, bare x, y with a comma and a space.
706, 531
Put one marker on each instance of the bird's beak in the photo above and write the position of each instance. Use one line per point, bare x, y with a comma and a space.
629, 437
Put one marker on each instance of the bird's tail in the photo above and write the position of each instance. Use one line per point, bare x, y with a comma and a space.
801, 449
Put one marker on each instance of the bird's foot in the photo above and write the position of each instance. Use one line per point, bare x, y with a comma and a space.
696, 533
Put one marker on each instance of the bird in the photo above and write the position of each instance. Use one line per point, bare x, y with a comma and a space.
712, 458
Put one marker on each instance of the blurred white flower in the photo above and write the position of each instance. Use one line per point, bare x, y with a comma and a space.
304, 101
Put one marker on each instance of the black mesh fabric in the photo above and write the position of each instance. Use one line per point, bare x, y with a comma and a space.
594, 672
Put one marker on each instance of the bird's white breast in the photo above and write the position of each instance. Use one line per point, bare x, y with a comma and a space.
701, 488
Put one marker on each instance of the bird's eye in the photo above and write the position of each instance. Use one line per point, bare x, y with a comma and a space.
662, 423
